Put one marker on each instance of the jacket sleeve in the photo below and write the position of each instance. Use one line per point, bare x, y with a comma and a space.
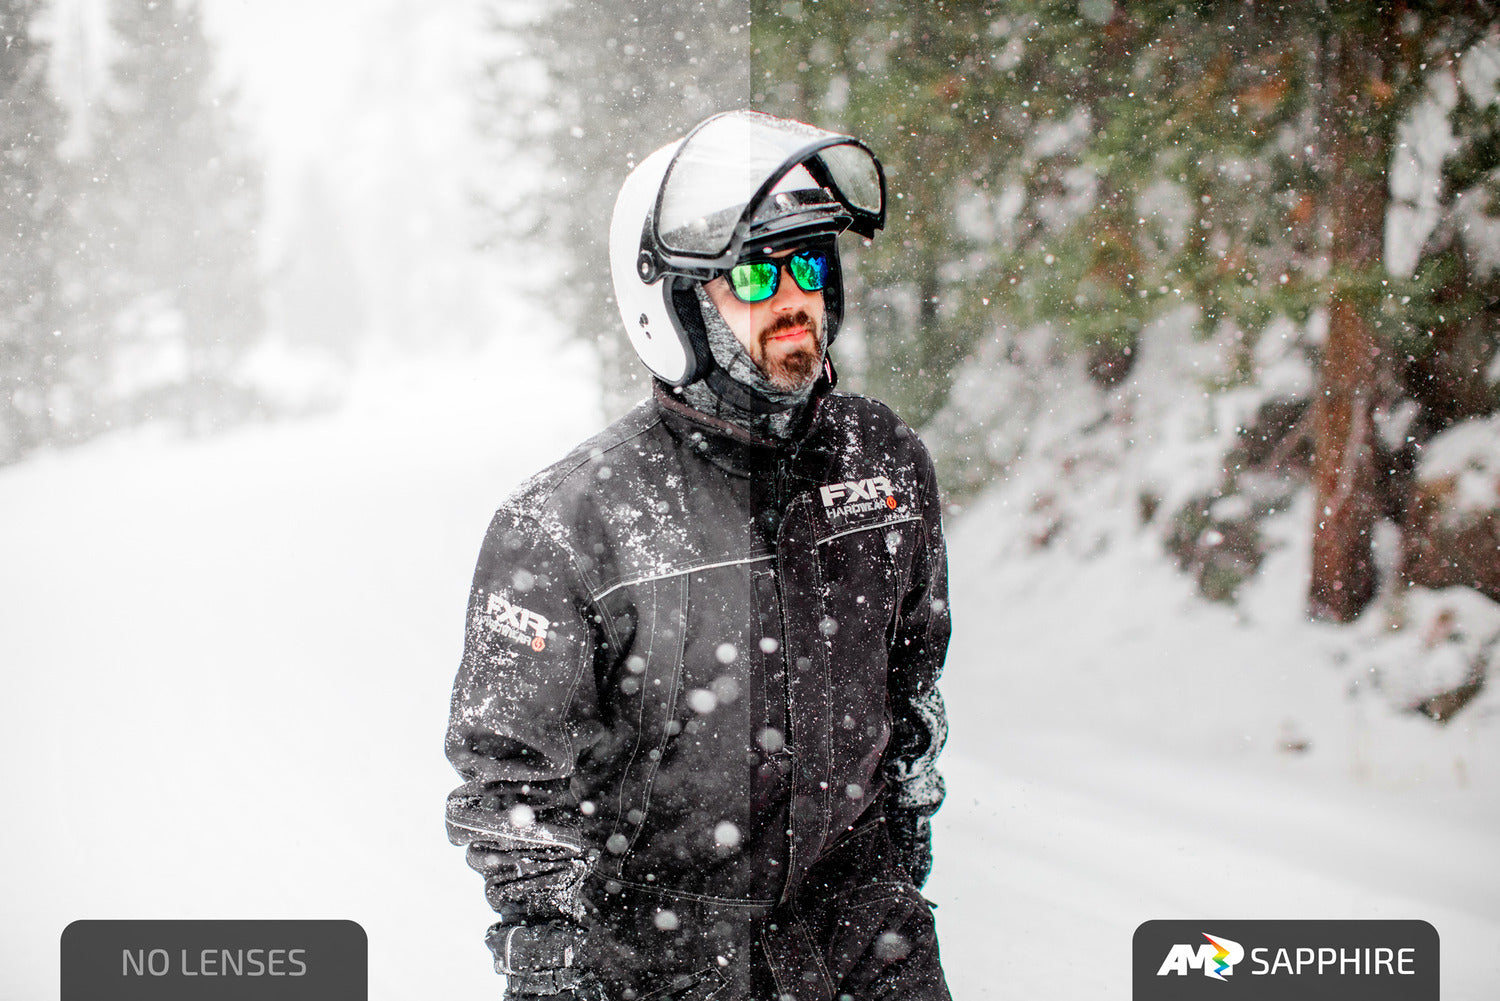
524, 706
919, 721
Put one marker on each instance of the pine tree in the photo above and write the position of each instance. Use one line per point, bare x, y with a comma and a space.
915, 82
1093, 164
622, 79
1296, 107
33, 225
177, 214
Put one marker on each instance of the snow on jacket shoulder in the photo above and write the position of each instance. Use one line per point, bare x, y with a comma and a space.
695, 659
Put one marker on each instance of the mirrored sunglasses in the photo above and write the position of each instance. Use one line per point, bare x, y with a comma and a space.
757, 281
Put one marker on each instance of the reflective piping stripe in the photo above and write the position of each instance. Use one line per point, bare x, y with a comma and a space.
867, 528
678, 573
510, 966
511, 836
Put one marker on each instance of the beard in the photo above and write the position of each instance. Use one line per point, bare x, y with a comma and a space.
795, 367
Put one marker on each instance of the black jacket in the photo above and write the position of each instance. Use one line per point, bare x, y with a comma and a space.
695, 661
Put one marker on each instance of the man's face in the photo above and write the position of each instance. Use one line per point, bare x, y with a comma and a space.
783, 335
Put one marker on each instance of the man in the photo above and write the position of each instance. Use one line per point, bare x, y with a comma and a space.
697, 711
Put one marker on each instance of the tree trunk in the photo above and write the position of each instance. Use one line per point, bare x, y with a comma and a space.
1345, 475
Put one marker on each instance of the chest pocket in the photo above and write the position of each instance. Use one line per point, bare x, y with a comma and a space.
865, 572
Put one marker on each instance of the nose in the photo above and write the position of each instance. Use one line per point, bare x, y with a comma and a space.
789, 295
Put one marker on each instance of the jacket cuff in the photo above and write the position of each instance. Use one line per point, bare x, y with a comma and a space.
911, 836
534, 884
541, 959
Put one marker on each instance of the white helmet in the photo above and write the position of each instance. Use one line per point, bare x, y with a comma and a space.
739, 179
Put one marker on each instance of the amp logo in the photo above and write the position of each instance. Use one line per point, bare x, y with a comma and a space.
870, 489
517, 623
1216, 958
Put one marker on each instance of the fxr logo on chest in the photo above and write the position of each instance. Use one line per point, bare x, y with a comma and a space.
869, 489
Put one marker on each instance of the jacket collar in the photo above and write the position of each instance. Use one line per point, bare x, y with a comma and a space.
742, 452
677, 411
673, 404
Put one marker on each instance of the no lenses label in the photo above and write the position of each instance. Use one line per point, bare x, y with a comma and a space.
223, 960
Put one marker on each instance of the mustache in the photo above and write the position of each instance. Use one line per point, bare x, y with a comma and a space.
790, 321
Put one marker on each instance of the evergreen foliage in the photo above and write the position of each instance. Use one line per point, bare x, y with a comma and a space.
178, 214
622, 80
1094, 165
913, 81
129, 282
33, 231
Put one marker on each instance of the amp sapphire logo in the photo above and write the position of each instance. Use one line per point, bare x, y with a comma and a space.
1285, 960
1216, 958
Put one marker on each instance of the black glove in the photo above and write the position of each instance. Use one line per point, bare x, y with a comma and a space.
540, 959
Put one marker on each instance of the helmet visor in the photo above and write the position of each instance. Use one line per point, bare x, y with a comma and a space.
725, 169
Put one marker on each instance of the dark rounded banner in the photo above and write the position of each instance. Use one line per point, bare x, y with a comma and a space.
1285, 961
223, 960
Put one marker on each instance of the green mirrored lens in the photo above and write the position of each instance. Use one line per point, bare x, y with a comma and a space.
757, 281
754, 282
810, 269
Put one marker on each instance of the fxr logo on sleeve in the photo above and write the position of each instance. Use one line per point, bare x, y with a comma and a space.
515, 622
858, 496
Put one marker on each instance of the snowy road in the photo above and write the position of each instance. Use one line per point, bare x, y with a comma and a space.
1071, 843
227, 665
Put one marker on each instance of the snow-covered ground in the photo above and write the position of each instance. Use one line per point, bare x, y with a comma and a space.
1124, 750
227, 665
1117, 756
